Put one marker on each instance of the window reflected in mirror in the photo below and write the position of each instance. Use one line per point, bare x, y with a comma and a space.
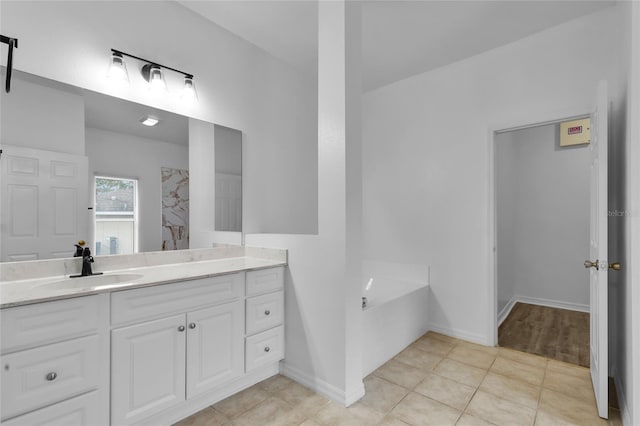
116, 228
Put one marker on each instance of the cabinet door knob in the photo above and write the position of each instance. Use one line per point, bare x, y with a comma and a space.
192, 325
181, 328
267, 312
267, 349
52, 376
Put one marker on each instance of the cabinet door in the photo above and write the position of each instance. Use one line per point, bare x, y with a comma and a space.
42, 323
79, 411
265, 348
264, 312
147, 368
264, 280
215, 351
41, 376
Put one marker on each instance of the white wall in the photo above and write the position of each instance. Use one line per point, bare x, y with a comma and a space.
624, 225
118, 155
630, 357
228, 150
632, 250
542, 212
35, 116
239, 86
323, 306
202, 177
426, 162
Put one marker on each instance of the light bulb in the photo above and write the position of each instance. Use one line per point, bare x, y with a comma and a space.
189, 90
118, 69
156, 79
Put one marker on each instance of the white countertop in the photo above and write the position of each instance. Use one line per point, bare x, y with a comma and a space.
22, 292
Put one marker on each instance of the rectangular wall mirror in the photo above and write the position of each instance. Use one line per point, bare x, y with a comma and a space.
79, 165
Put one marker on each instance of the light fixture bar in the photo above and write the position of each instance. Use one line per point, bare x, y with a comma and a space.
12, 43
119, 52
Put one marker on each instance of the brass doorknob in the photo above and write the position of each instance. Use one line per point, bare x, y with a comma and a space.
590, 264
615, 266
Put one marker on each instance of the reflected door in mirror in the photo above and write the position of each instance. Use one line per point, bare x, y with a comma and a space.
44, 203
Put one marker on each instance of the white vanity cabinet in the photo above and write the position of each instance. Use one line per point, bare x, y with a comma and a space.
55, 363
264, 343
191, 349
149, 355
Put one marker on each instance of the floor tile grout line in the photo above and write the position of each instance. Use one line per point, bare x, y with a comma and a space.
397, 403
475, 392
544, 376
403, 362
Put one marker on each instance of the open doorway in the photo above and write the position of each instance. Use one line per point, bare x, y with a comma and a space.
542, 235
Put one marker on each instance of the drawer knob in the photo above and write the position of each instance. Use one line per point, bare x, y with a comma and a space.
181, 328
52, 376
267, 349
192, 325
267, 312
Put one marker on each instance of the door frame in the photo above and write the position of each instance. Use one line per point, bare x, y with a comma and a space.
534, 120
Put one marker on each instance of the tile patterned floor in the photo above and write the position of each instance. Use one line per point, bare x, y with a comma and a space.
437, 380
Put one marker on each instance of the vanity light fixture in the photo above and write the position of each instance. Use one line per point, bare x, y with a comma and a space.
149, 121
153, 73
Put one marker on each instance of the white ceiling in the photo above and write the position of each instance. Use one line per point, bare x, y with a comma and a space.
120, 116
404, 38
400, 38
287, 29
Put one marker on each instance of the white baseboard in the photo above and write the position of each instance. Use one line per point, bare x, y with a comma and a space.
460, 334
504, 313
355, 395
552, 303
622, 400
322, 387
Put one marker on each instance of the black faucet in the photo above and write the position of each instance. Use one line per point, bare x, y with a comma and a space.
87, 260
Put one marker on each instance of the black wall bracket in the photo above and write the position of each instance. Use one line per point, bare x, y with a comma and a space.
12, 42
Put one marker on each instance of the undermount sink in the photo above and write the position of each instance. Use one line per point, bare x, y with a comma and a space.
91, 281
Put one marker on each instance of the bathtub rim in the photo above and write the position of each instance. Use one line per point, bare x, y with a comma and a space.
416, 286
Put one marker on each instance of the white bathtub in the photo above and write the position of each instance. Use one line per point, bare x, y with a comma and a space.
395, 316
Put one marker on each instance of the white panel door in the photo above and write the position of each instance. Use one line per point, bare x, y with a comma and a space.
147, 368
44, 199
598, 262
215, 346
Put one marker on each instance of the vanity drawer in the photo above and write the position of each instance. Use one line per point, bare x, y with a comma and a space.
264, 348
264, 312
47, 374
40, 323
129, 306
79, 411
265, 280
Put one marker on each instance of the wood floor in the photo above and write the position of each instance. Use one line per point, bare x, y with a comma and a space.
550, 332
